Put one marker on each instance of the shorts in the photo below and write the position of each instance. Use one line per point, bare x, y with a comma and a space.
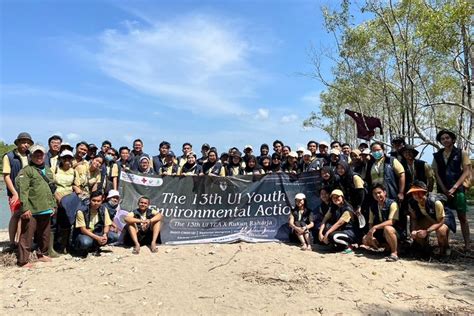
144, 237
459, 202
14, 206
379, 235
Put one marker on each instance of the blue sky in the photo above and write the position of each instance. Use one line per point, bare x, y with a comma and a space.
222, 72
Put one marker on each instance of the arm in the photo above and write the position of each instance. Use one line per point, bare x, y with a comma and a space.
465, 173
10, 186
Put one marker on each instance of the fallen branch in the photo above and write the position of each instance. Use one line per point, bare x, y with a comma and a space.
228, 261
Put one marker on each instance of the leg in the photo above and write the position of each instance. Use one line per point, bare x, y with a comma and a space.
14, 228
133, 233
390, 235
112, 237
42, 235
340, 239
307, 240
464, 229
28, 228
443, 239
84, 243
156, 231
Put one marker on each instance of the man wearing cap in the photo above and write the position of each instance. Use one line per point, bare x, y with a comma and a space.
169, 167
91, 152
248, 151
13, 162
323, 151
307, 164
205, 148
112, 206
34, 183
452, 168
429, 214
398, 142
416, 169
54, 143
291, 164
334, 157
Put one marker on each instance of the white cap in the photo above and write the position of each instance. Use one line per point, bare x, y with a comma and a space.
248, 146
335, 151
323, 143
37, 147
366, 151
293, 154
300, 196
306, 152
300, 149
66, 153
113, 193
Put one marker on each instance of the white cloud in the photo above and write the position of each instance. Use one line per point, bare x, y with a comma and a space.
289, 118
262, 114
196, 63
73, 137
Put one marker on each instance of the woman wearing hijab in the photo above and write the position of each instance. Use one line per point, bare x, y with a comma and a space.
351, 184
144, 166
301, 220
276, 163
191, 167
329, 178
213, 166
234, 167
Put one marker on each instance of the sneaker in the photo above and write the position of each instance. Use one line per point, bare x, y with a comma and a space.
347, 251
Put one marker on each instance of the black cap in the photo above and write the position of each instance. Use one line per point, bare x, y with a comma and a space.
410, 148
206, 145
92, 146
165, 143
445, 131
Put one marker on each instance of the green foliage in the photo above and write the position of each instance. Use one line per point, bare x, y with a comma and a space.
393, 65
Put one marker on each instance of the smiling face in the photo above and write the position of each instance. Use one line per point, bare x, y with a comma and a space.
337, 199
379, 195
446, 140
299, 203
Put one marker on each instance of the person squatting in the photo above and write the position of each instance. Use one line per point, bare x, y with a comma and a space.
65, 198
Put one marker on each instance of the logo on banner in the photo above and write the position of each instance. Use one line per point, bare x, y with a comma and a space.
140, 179
223, 185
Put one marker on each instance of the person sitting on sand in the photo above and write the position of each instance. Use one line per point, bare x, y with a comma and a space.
143, 226
301, 220
339, 224
428, 214
92, 228
383, 214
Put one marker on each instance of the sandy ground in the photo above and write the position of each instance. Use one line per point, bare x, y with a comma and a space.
269, 278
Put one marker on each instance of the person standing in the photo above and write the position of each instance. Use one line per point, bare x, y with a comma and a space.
34, 183
452, 167
54, 143
13, 162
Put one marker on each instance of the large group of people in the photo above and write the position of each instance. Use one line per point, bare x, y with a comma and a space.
66, 198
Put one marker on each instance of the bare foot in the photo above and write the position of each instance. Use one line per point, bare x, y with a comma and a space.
153, 247
29, 265
44, 259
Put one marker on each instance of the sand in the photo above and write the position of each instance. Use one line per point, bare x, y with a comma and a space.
241, 278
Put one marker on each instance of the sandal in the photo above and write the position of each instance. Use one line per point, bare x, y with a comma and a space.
392, 258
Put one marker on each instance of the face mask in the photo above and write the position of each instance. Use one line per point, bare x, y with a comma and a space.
108, 158
113, 204
377, 155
